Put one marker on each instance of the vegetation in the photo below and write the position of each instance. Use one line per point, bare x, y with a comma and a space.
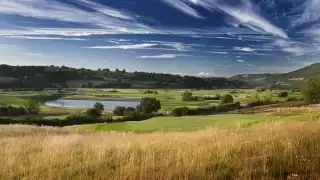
96, 111
226, 99
32, 106
54, 76
149, 105
281, 152
311, 90
283, 94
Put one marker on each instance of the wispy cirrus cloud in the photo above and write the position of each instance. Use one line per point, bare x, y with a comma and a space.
244, 49
46, 38
184, 7
131, 46
163, 56
100, 15
244, 15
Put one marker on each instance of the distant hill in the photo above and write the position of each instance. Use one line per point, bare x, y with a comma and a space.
291, 79
66, 77
309, 71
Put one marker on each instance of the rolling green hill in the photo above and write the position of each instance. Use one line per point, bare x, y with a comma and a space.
66, 77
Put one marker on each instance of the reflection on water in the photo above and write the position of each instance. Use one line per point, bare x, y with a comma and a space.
89, 103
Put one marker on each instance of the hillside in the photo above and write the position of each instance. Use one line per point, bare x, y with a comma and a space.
291, 79
66, 77
305, 72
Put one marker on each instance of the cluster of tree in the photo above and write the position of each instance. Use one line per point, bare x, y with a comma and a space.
54, 76
185, 111
188, 96
151, 92
146, 108
31, 107
96, 111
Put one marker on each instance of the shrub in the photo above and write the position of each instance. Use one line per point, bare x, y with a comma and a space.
136, 116
216, 97
12, 111
226, 99
291, 99
206, 110
182, 111
259, 103
283, 94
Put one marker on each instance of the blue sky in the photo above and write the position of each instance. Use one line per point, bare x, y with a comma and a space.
187, 37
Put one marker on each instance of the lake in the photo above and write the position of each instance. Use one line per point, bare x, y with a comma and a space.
89, 103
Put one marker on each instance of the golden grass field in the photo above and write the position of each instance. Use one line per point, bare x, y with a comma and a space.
267, 151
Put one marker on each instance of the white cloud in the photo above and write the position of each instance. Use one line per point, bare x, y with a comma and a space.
132, 46
204, 74
298, 51
183, 7
102, 16
33, 54
245, 49
45, 38
218, 52
244, 15
163, 56
310, 12
291, 47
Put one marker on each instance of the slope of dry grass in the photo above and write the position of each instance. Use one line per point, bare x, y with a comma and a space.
273, 151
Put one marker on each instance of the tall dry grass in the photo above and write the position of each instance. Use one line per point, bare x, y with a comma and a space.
274, 151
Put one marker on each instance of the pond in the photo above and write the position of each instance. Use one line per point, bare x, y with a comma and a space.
89, 103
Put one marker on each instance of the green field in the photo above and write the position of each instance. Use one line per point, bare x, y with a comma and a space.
194, 123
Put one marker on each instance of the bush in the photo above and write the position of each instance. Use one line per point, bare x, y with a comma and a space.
291, 99
216, 97
259, 103
182, 111
12, 111
283, 94
226, 99
149, 105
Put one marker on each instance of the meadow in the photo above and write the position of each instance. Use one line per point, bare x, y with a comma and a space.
281, 150
278, 141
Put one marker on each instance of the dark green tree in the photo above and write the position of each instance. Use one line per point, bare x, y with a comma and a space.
311, 90
226, 99
149, 105
186, 96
